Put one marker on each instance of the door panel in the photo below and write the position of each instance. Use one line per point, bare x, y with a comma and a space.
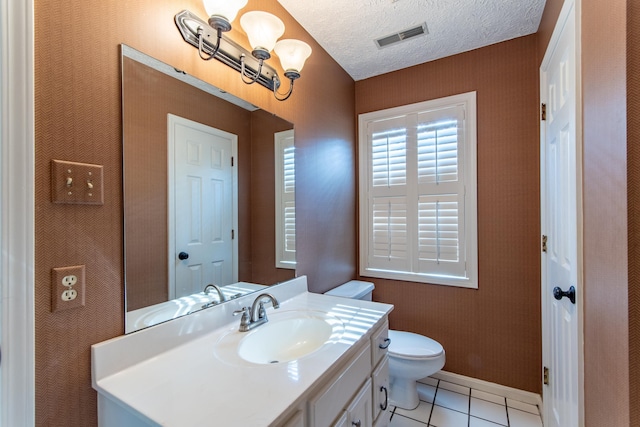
560, 177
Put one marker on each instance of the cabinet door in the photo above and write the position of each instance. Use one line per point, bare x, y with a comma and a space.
380, 379
360, 412
343, 421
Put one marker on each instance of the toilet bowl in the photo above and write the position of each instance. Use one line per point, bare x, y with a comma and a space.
411, 356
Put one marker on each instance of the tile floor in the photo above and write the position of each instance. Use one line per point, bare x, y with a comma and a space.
444, 404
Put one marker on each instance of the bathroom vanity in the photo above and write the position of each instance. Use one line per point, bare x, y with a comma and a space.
318, 361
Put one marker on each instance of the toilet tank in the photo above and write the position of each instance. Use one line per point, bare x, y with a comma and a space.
354, 289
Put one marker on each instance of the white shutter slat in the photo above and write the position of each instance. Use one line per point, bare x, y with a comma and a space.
388, 241
389, 158
439, 230
290, 228
289, 170
388, 145
438, 135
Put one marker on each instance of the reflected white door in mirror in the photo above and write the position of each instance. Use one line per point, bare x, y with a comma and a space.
202, 212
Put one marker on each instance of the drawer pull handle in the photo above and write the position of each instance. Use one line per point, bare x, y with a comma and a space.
386, 398
356, 423
385, 343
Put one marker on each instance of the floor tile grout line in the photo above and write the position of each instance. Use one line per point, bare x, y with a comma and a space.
469, 409
433, 403
506, 408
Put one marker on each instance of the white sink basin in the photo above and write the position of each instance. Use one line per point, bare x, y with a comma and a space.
288, 336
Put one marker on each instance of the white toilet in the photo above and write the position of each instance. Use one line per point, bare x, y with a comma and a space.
411, 356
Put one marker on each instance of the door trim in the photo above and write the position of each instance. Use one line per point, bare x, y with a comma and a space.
569, 7
17, 124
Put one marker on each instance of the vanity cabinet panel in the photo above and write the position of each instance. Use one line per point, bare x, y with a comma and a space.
296, 420
342, 421
380, 372
359, 411
380, 378
326, 406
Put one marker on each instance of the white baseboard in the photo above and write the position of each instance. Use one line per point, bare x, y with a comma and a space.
500, 390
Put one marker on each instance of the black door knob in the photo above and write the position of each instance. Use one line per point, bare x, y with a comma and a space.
559, 294
183, 255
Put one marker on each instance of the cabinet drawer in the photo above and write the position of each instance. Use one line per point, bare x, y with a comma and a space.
327, 405
379, 343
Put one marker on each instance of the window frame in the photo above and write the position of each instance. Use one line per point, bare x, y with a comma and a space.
468, 171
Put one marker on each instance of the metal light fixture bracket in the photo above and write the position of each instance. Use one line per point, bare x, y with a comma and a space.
229, 51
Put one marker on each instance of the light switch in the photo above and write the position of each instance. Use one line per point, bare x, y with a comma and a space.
76, 183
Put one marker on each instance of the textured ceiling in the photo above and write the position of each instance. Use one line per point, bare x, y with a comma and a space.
346, 29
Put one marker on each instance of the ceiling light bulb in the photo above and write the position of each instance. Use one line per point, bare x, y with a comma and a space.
226, 9
292, 54
263, 30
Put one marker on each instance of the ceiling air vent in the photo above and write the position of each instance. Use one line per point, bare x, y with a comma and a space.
403, 35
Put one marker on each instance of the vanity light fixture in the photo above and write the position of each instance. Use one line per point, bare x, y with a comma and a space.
263, 30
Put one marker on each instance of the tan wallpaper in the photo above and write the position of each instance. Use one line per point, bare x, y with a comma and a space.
606, 281
633, 189
78, 118
633, 159
492, 333
263, 218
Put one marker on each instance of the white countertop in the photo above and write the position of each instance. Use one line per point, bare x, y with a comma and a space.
175, 374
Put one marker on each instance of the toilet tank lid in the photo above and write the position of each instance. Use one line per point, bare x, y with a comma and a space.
353, 289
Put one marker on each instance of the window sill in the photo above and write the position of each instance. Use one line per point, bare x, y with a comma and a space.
461, 282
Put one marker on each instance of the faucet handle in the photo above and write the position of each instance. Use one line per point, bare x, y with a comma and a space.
243, 311
245, 321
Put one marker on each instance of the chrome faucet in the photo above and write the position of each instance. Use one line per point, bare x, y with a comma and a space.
255, 315
208, 289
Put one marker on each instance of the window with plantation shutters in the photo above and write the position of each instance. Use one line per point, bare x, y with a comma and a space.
418, 192
285, 200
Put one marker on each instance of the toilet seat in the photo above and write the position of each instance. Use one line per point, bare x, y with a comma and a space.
407, 345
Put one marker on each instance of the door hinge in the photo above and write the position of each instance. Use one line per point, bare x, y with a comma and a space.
545, 376
543, 111
233, 234
544, 243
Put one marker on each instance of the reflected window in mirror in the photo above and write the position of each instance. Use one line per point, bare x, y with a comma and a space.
285, 200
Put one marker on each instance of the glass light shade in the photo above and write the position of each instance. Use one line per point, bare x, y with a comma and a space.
292, 53
226, 8
262, 28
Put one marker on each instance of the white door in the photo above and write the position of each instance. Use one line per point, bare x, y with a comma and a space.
202, 207
560, 218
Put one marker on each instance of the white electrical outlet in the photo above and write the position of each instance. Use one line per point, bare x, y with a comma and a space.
67, 287
69, 295
69, 280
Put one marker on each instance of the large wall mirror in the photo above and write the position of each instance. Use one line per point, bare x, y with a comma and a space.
208, 194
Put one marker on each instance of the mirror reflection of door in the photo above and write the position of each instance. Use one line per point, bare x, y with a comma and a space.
202, 208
